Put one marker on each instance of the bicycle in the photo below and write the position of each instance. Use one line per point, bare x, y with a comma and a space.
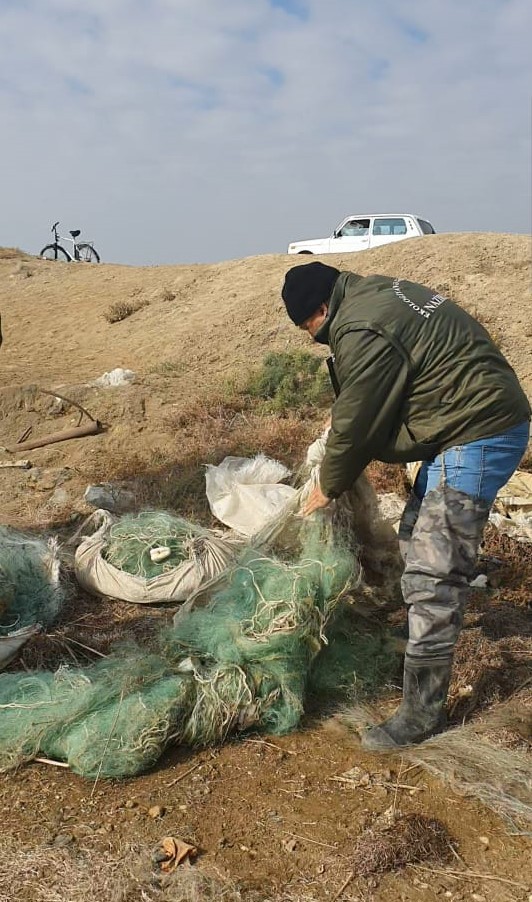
84, 252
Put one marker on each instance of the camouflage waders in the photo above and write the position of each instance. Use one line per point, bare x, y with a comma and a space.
439, 538
440, 560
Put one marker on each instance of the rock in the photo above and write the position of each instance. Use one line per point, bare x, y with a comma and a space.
59, 497
62, 840
385, 775
289, 844
131, 803
156, 811
109, 497
391, 506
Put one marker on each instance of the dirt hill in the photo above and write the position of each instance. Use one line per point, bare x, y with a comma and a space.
184, 329
213, 318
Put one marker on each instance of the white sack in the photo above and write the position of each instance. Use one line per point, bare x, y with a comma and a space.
246, 494
209, 556
316, 451
11, 644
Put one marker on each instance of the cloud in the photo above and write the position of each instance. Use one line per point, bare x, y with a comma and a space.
171, 131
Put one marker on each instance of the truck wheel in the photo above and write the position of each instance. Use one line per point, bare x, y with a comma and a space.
305, 252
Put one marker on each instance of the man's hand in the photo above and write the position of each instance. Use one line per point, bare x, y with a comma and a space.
315, 501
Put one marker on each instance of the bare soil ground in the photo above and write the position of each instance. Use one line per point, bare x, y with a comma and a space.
269, 817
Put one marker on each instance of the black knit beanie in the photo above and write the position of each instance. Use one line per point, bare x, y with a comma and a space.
306, 288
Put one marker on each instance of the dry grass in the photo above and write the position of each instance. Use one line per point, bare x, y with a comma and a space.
515, 575
474, 766
166, 294
486, 671
45, 874
526, 463
86, 630
410, 839
122, 309
388, 478
11, 253
169, 368
205, 434
469, 760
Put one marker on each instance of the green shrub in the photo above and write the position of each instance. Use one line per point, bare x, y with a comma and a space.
290, 381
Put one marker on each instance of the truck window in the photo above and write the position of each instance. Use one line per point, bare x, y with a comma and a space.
426, 227
355, 228
390, 226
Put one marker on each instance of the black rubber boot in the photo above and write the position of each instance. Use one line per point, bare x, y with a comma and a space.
421, 714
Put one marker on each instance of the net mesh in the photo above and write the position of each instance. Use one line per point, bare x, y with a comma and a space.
132, 539
241, 656
30, 591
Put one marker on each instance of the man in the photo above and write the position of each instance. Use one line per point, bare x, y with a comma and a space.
416, 378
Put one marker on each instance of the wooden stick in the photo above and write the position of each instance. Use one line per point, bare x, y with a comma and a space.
470, 875
397, 786
19, 464
272, 746
54, 394
186, 773
27, 432
86, 647
344, 886
326, 845
49, 761
401, 786
92, 428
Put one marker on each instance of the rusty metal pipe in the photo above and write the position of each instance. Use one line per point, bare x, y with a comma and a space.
92, 428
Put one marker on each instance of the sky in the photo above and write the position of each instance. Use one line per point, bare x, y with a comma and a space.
182, 131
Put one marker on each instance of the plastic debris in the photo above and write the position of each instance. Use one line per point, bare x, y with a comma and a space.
116, 377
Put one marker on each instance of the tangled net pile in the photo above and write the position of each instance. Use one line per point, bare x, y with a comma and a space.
30, 591
134, 536
239, 658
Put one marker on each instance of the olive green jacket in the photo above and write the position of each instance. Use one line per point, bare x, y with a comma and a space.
416, 374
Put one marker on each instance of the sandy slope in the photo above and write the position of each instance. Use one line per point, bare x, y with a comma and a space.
229, 313
199, 324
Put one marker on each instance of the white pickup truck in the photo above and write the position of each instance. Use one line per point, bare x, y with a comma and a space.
358, 232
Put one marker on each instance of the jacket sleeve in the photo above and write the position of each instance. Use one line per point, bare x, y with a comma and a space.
373, 376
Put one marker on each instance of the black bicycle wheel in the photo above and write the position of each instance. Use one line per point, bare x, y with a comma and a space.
87, 254
55, 252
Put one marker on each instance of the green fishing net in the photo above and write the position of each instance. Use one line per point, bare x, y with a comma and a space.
30, 591
240, 657
132, 539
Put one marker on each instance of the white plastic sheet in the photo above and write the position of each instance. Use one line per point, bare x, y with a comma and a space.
118, 376
247, 494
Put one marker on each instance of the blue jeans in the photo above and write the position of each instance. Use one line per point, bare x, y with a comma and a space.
440, 534
478, 468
